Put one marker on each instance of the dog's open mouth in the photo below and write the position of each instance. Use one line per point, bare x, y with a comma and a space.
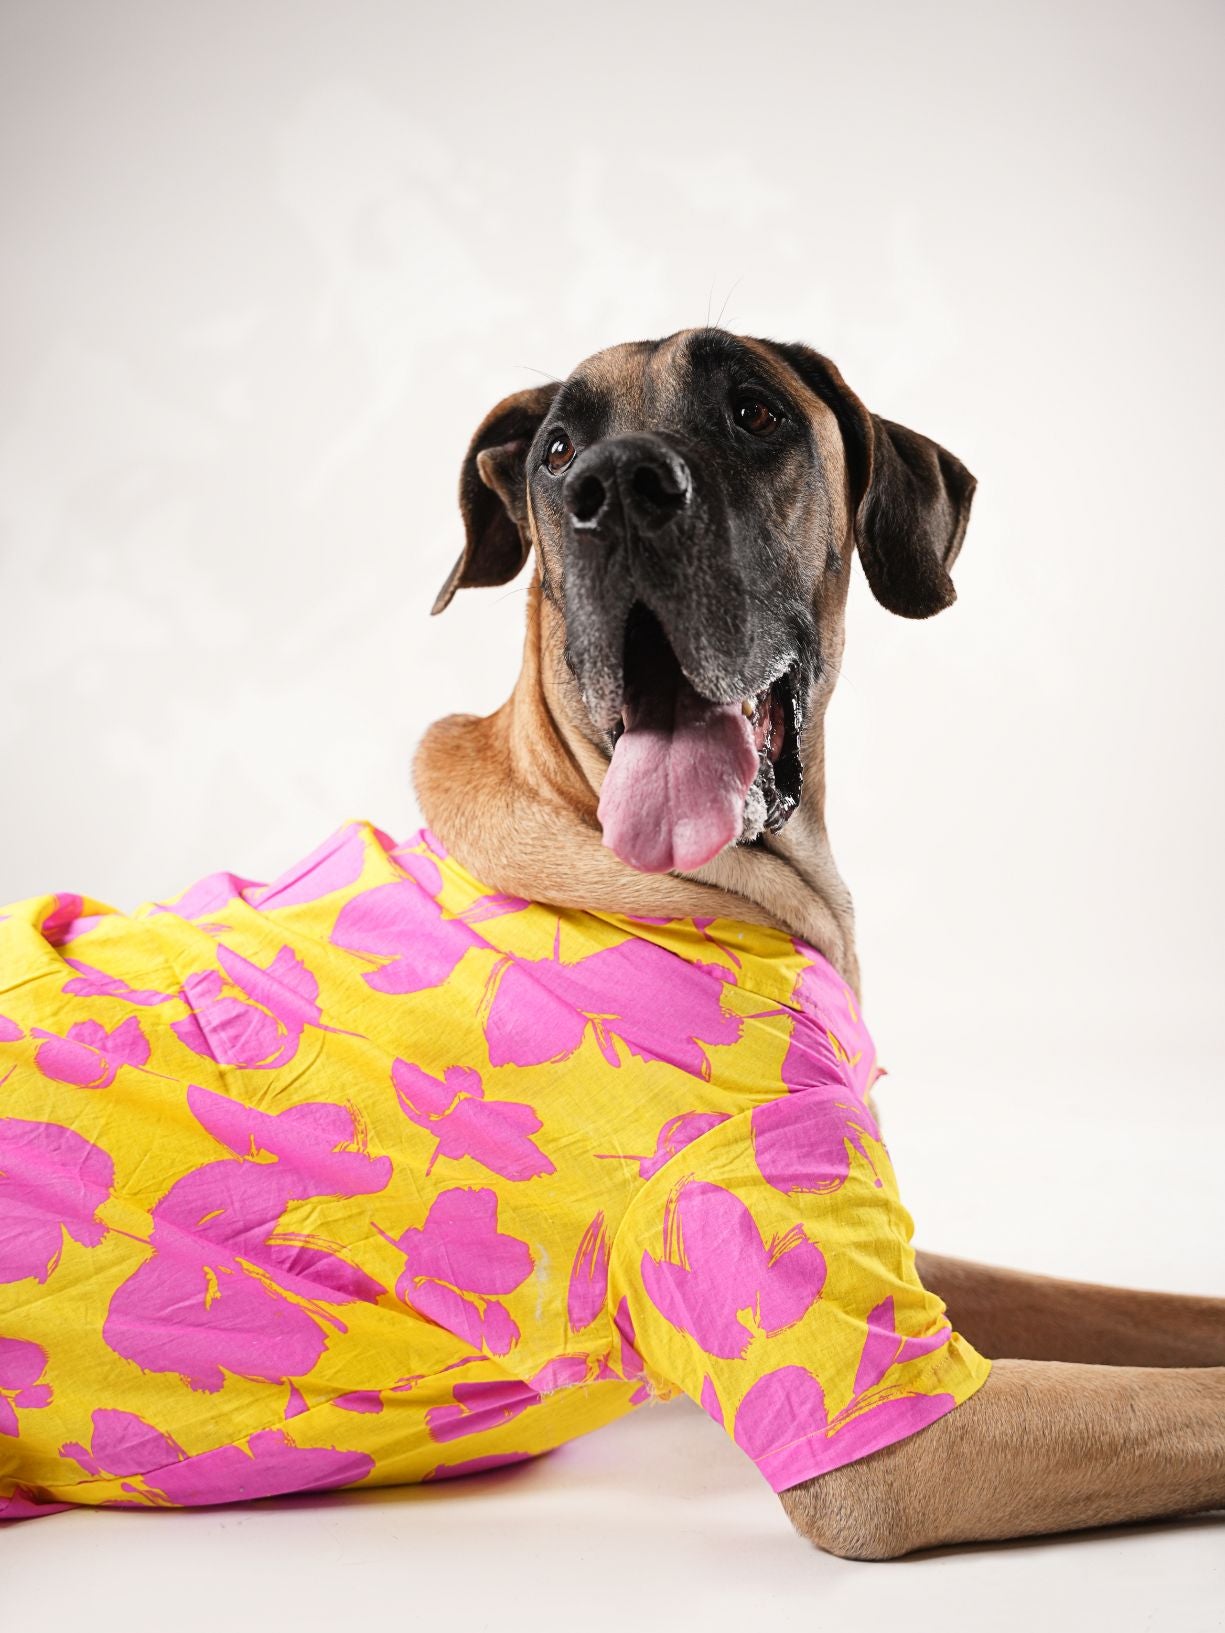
688, 775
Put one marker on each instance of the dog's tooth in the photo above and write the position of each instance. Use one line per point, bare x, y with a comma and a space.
748, 707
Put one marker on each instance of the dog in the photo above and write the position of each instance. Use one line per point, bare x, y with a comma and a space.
268, 1144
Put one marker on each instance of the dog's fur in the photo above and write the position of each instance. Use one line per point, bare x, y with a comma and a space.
1103, 1405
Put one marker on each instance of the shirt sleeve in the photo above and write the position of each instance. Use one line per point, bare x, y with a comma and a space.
767, 1271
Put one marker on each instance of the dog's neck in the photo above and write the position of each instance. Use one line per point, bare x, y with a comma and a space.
514, 796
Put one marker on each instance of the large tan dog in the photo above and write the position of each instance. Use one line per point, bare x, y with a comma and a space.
692, 507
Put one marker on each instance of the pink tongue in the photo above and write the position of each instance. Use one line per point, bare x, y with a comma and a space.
674, 794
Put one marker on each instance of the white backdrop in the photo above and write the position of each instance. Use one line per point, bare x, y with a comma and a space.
266, 265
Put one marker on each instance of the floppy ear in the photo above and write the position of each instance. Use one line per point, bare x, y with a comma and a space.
493, 493
910, 498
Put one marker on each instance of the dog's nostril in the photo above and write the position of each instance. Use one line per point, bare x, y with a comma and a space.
587, 500
661, 488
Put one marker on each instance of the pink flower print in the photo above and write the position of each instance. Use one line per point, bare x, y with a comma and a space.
493, 906
488, 1404
430, 841
9, 1030
830, 1045
92, 983
421, 868
60, 924
125, 1446
262, 1029
783, 1426
269, 1465
782, 1406
810, 1061
588, 1276
478, 1406
226, 1289
634, 994
360, 1400
457, 1261
471, 1465
565, 1372
88, 1056
674, 1136
803, 1143
212, 1315
21, 1366
402, 926
631, 1366
417, 861
20, 1506
207, 895
331, 866
716, 1264
701, 925
404, 1385
317, 1144
52, 1181
122, 1444
884, 1347
494, 1133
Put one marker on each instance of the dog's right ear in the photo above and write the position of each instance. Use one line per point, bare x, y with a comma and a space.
493, 493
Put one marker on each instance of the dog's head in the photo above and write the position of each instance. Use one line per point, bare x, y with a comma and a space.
693, 503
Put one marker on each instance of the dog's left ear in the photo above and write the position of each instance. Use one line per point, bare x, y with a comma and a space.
910, 498
493, 493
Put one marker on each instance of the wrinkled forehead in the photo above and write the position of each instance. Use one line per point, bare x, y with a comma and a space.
676, 384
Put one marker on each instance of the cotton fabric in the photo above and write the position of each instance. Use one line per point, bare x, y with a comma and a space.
372, 1175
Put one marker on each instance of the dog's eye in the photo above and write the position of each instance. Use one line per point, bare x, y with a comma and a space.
558, 454
754, 416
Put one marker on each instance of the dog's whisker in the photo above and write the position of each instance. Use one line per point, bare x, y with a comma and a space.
726, 298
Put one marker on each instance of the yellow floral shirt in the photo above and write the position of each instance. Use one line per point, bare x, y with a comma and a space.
371, 1175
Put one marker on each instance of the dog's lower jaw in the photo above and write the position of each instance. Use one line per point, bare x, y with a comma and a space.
513, 795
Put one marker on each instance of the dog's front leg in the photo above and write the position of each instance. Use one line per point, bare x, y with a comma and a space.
1043, 1446
1041, 1318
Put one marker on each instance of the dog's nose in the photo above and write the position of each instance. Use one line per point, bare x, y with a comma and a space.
639, 480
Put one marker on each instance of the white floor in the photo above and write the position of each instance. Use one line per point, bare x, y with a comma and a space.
658, 1521
655, 1522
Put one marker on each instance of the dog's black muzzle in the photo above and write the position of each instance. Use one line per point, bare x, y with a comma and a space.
644, 526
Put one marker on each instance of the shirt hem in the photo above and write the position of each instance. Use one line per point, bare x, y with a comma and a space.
818, 1453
